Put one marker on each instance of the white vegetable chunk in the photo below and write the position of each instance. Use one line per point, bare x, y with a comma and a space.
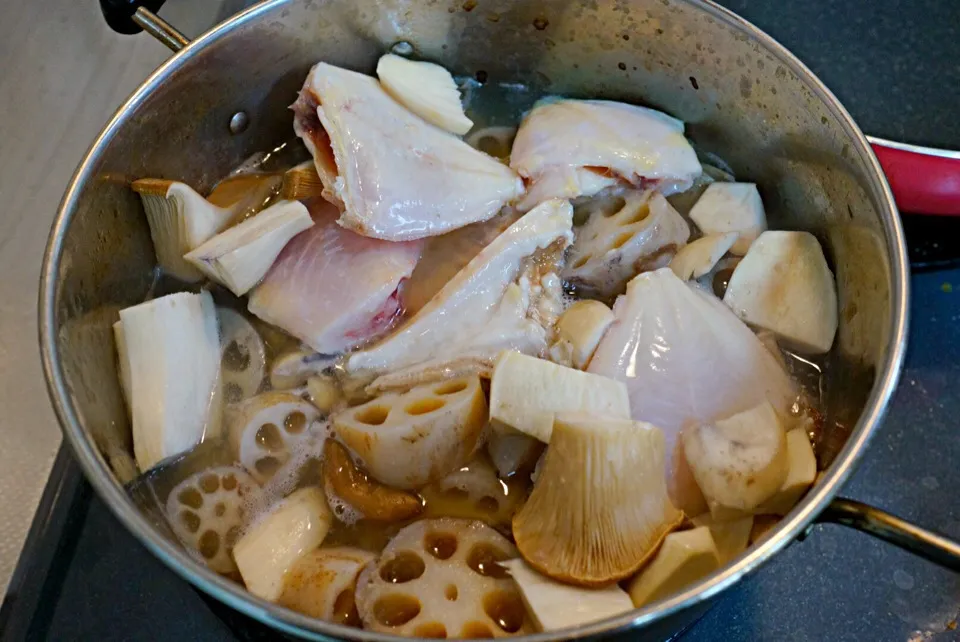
730, 536
321, 584
526, 393
172, 363
699, 257
741, 461
293, 528
801, 473
244, 356
554, 605
684, 558
426, 89
621, 238
407, 440
783, 285
580, 329
240, 257
731, 207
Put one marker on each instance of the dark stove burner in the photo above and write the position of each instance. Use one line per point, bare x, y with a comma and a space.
933, 242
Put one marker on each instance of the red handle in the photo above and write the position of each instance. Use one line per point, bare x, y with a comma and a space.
924, 180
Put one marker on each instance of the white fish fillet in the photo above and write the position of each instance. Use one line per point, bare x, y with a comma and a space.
686, 358
332, 288
484, 309
395, 176
641, 146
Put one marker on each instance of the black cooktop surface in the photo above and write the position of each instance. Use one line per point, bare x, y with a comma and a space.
895, 66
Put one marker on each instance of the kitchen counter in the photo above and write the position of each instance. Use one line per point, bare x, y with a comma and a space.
893, 65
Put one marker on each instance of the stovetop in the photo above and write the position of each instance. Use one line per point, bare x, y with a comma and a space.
894, 65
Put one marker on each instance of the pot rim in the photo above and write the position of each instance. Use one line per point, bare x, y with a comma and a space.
173, 556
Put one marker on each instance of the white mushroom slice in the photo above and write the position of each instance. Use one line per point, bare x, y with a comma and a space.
699, 257
265, 430
244, 356
511, 451
406, 440
801, 473
180, 220
293, 369
738, 462
526, 394
441, 578
784, 285
600, 507
293, 528
495, 140
490, 305
617, 243
730, 536
581, 327
172, 363
426, 89
206, 511
554, 605
321, 584
731, 207
240, 257
684, 558
476, 492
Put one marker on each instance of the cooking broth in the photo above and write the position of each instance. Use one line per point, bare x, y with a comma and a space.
478, 490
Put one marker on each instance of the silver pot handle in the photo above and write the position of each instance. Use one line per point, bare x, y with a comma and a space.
882, 525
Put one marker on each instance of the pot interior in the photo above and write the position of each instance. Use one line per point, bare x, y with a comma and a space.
743, 99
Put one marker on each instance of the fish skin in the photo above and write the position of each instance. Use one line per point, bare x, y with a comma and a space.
394, 175
641, 147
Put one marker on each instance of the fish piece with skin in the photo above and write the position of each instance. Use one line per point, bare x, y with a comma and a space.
484, 309
332, 288
686, 359
395, 176
639, 146
444, 256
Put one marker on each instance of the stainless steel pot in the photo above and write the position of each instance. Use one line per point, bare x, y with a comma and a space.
745, 98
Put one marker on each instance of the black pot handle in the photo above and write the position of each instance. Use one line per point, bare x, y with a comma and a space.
119, 13
134, 16
882, 525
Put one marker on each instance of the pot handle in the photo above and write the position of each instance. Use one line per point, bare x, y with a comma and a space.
893, 530
924, 180
134, 16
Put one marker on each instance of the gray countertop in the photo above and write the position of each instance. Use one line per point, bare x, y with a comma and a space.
893, 64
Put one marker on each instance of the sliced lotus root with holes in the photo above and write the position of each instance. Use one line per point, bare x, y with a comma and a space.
440, 578
638, 232
322, 584
406, 440
243, 356
206, 512
265, 429
476, 492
